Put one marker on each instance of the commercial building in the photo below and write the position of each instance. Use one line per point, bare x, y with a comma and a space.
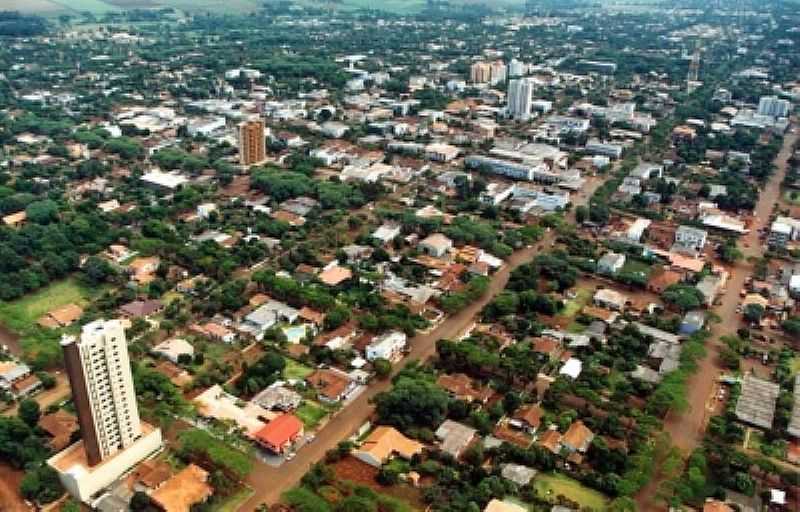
252, 142
114, 439
774, 106
520, 98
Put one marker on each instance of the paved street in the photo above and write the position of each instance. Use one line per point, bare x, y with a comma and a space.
269, 482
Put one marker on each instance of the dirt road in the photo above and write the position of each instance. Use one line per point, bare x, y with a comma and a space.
687, 428
10, 498
46, 398
270, 482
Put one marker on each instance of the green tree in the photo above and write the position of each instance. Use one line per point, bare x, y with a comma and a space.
29, 412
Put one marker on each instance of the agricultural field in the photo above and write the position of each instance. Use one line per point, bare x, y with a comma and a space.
550, 486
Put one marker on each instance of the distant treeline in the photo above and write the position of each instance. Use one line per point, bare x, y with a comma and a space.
14, 24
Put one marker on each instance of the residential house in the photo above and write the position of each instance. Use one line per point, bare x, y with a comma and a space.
280, 434
690, 239
335, 275
550, 440
60, 427
188, 488
387, 346
461, 387
517, 473
529, 417
173, 349
572, 368
267, 316
692, 322
436, 245
332, 385
143, 270
503, 506
214, 331
577, 438
384, 443
387, 233
610, 299
141, 308
610, 263
339, 338
278, 397
455, 437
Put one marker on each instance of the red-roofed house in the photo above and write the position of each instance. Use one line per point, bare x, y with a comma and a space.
280, 434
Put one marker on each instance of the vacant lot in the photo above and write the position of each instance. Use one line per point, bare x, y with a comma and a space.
296, 371
310, 414
22, 314
550, 486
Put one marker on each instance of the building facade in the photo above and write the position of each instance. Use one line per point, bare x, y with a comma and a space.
774, 106
252, 142
102, 388
520, 98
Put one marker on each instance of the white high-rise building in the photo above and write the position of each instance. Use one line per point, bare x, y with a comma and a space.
113, 438
102, 386
520, 98
774, 106
516, 68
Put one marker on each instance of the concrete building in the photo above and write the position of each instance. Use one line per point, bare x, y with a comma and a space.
611, 263
252, 142
516, 68
520, 98
691, 238
114, 439
774, 106
436, 245
480, 73
388, 346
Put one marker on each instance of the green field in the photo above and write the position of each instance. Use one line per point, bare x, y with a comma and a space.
92, 6
310, 414
549, 486
296, 371
22, 314
39, 345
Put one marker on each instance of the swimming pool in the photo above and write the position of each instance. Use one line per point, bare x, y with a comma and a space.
295, 333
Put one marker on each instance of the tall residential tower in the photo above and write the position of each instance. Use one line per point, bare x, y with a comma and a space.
252, 143
102, 388
113, 438
520, 98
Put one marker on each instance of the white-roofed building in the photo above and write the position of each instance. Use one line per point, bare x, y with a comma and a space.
572, 368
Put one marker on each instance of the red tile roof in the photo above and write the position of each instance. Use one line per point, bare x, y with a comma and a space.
280, 431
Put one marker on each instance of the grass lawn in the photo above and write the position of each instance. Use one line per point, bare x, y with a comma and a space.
787, 196
795, 365
310, 414
574, 306
20, 315
234, 501
296, 371
548, 486
633, 266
